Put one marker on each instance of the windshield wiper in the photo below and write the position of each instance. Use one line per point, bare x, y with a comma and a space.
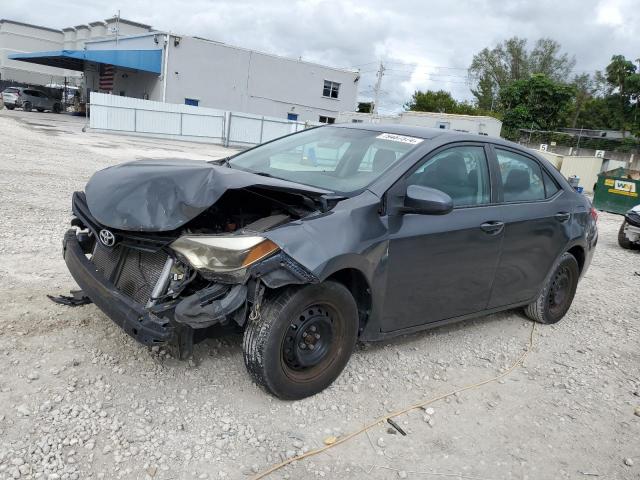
222, 161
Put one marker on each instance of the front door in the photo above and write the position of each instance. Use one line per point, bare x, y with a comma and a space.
440, 267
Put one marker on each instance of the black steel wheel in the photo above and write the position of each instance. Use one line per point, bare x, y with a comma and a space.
302, 339
557, 295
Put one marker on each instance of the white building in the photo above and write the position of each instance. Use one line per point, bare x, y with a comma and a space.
478, 124
153, 65
20, 38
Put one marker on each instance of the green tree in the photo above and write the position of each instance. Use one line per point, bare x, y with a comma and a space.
620, 76
432, 101
510, 61
485, 93
585, 88
537, 102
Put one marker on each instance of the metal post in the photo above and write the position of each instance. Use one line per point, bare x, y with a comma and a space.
135, 119
578, 146
227, 129
165, 69
261, 128
180, 123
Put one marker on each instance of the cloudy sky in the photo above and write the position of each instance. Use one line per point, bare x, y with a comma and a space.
424, 44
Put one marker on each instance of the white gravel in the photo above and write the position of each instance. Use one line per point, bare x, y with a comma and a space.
81, 400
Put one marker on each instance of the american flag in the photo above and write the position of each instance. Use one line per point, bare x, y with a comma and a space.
107, 74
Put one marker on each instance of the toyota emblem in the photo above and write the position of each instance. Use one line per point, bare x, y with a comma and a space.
107, 238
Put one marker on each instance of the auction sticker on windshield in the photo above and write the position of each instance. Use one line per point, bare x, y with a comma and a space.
399, 138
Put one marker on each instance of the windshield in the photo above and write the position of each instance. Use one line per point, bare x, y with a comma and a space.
338, 159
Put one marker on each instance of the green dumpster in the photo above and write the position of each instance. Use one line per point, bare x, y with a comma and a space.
617, 190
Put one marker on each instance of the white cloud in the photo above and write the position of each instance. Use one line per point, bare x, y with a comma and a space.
424, 44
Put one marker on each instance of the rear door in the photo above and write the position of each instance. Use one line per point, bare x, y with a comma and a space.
537, 217
30, 96
442, 266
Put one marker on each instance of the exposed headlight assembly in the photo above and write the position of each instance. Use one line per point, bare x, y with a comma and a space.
222, 254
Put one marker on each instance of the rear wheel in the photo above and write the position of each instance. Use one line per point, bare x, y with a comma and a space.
623, 241
57, 108
557, 295
26, 106
302, 339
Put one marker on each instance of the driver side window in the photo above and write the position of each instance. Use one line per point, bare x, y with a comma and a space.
461, 172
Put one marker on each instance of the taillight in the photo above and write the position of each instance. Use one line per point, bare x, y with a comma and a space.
594, 214
18, 93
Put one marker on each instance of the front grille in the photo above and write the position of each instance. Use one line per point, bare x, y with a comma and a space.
133, 272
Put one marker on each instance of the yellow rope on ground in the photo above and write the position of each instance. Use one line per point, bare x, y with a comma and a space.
369, 426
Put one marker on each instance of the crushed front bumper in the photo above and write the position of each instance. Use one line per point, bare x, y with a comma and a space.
133, 318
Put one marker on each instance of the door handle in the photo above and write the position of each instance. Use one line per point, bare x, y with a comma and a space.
493, 227
562, 216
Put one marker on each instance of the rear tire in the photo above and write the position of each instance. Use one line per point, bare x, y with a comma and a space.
557, 295
57, 108
302, 339
623, 241
26, 106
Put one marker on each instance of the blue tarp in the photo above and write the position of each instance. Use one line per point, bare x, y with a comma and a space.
143, 60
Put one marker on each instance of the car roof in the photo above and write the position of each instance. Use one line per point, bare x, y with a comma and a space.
442, 135
409, 130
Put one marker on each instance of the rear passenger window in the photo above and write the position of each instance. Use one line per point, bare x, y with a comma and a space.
461, 172
550, 185
521, 177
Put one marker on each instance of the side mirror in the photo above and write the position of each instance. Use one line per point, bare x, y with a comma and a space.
426, 201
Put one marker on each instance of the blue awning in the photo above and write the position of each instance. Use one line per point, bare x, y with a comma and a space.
143, 60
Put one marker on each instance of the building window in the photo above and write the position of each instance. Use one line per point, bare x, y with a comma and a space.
292, 116
330, 89
191, 101
356, 120
324, 119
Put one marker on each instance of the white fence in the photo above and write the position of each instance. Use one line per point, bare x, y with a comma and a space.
185, 122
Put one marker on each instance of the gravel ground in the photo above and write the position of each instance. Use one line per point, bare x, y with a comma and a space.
81, 400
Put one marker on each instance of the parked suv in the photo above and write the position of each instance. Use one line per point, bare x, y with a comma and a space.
392, 229
28, 99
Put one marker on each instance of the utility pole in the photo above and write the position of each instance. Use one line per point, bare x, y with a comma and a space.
117, 27
578, 146
376, 89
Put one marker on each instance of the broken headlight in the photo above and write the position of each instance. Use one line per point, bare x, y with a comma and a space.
219, 254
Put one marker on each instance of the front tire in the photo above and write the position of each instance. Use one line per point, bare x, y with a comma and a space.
26, 106
623, 241
557, 295
10, 107
302, 339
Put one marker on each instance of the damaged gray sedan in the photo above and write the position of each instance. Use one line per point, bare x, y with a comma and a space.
315, 240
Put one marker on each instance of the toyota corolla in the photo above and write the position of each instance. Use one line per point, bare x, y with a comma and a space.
319, 239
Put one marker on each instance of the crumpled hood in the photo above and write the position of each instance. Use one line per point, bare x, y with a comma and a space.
162, 195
